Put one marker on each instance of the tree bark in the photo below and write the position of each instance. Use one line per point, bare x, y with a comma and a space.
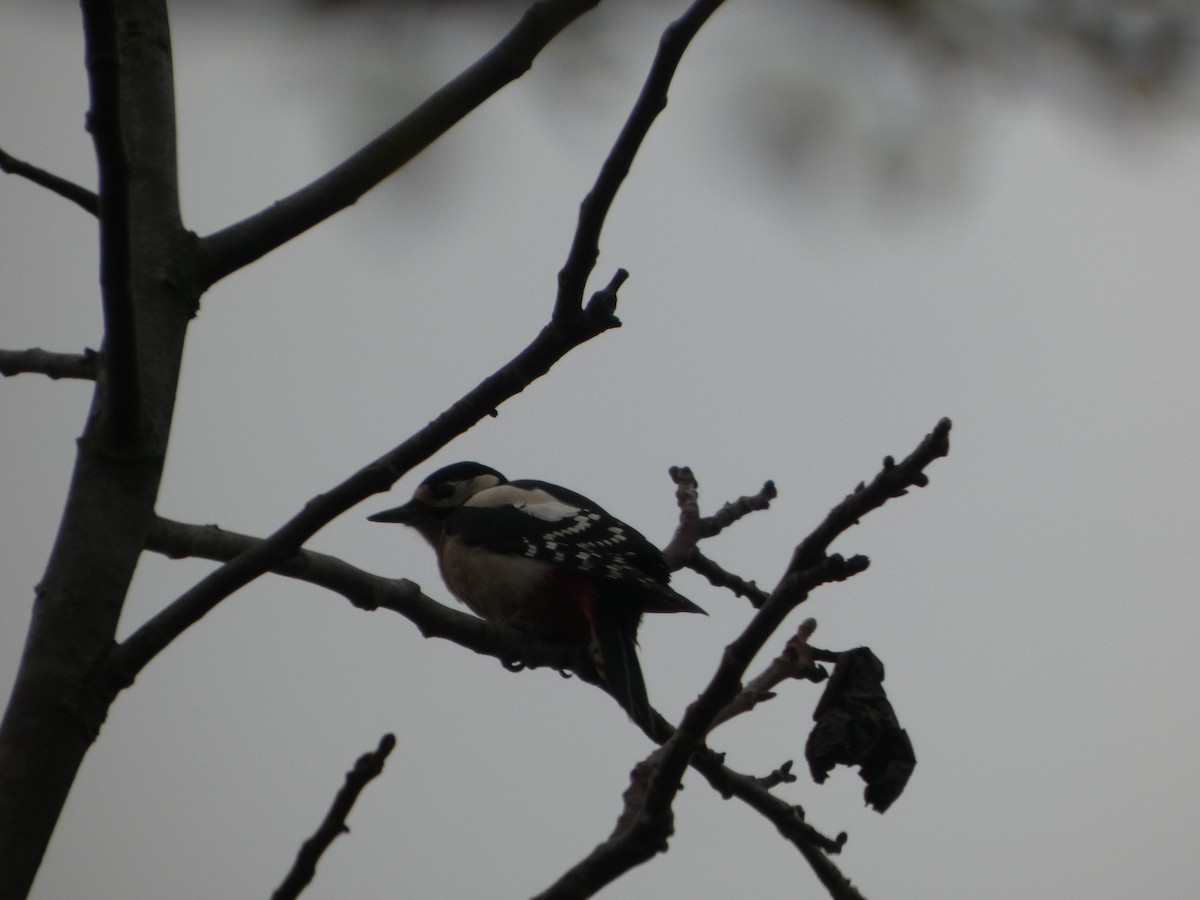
59, 700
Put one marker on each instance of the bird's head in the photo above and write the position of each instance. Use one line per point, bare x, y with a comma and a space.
440, 494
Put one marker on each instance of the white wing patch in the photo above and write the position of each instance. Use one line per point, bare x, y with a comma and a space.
535, 502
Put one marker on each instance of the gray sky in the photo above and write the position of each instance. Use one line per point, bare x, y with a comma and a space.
1034, 606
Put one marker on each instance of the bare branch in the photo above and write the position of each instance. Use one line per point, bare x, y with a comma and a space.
585, 249
77, 194
796, 661
739, 508
683, 551
370, 592
718, 577
687, 533
44, 362
787, 819
243, 242
122, 394
367, 768
782, 775
893, 480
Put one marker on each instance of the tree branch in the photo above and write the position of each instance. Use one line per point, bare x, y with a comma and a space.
44, 362
585, 249
893, 480
719, 577
243, 242
370, 592
796, 661
121, 409
367, 768
683, 550
77, 194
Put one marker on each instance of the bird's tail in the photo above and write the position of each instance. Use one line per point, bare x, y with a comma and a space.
615, 628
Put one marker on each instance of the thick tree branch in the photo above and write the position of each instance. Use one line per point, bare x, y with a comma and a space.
585, 250
81, 196
44, 362
367, 768
242, 243
121, 409
57, 704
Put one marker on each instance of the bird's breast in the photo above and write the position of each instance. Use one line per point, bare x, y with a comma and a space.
513, 590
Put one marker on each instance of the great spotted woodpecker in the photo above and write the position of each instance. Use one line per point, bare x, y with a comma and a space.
543, 558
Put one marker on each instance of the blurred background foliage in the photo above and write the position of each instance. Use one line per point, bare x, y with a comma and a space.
889, 86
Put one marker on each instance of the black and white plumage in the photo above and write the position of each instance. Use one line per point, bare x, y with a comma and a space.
547, 559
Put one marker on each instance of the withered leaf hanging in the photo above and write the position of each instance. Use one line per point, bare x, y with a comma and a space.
856, 726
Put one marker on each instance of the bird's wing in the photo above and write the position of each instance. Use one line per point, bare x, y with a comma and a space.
536, 520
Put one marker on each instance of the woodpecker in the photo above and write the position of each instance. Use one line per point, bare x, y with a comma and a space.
548, 560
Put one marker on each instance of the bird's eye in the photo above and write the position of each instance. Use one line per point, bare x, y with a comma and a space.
444, 491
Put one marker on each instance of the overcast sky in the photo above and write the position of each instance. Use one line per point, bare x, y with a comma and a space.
1035, 606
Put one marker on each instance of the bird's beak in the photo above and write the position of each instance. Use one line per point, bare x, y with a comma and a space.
404, 515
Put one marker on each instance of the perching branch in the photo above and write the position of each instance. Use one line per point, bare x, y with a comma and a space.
81, 196
44, 362
243, 242
585, 249
370, 592
367, 768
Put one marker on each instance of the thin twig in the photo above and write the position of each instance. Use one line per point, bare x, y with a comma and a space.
893, 480
795, 661
77, 194
739, 508
719, 577
367, 768
44, 362
585, 249
687, 533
